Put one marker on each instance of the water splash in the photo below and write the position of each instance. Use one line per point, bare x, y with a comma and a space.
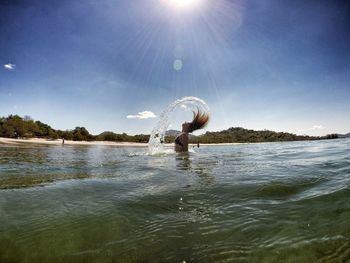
155, 143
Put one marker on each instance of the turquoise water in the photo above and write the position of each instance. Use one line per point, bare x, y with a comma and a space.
270, 202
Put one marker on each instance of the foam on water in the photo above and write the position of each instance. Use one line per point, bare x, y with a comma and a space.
163, 152
155, 145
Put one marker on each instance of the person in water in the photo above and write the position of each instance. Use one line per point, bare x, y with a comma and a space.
199, 121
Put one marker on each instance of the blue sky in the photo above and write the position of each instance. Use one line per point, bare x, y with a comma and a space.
278, 65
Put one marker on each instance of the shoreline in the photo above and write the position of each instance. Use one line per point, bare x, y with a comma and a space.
69, 142
95, 143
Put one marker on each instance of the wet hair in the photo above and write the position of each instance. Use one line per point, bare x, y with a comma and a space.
200, 119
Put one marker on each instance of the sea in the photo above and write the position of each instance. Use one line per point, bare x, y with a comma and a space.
261, 202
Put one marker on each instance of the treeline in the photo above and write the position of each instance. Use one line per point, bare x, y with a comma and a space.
15, 126
114, 137
240, 135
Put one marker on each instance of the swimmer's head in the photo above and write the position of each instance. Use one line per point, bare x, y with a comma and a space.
186, 126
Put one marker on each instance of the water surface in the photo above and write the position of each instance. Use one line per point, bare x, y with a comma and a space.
270, 202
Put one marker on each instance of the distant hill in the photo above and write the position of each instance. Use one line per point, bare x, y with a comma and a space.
344, 135
173, 133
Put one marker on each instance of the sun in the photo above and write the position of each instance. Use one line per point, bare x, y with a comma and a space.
183, 4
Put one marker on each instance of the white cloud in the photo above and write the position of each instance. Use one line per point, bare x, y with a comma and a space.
10, 66
142, 115
313, 128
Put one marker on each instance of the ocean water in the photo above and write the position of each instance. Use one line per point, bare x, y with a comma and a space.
269, 202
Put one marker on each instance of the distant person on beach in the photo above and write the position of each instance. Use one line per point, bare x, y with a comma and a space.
62, 141
199, 121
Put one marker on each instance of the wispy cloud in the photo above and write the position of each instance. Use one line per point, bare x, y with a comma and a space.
10, 66
313, 128
142, 115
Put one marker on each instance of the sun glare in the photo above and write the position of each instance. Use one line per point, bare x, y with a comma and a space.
183, 4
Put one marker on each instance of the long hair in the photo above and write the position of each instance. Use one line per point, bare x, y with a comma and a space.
200, 119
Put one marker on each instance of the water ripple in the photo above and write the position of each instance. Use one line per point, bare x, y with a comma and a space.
271, 202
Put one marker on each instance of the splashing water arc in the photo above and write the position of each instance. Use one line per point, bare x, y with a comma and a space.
155, 144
